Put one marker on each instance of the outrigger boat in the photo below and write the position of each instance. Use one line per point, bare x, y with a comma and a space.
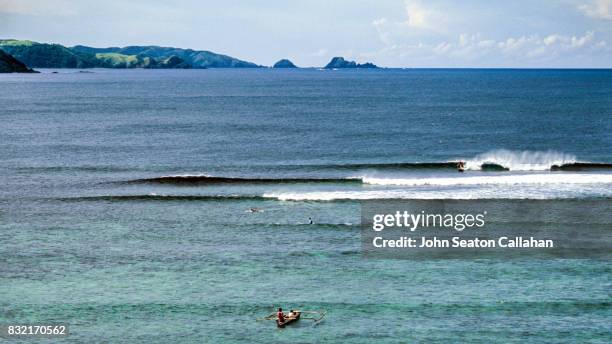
289, 320
317, 316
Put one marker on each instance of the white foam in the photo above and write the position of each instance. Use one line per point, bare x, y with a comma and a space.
513, 179
350, 195
490, 192
520, 161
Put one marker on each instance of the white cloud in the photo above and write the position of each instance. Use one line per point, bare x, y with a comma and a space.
472, 48
421, 17
319, 53
601, 9
37, 8
420, 40
383, 33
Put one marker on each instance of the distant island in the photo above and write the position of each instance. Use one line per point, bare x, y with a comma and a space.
284, 63
9, 64
43, 55
340, 62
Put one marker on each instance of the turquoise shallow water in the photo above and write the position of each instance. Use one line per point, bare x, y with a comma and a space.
157, 262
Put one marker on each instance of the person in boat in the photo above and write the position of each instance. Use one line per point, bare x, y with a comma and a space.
280, 316
292, 314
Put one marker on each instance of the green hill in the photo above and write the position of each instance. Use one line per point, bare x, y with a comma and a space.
42, 55
116, 60
194, 58
9, 64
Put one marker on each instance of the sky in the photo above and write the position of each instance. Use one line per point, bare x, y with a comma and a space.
390, 33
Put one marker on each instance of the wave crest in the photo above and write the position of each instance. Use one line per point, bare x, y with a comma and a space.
520, 161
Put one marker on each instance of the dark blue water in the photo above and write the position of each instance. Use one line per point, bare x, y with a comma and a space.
185, 260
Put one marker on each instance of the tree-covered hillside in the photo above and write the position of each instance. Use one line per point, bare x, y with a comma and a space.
42, 55
9, 64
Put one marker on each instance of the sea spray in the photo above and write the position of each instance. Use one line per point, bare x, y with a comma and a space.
521, 160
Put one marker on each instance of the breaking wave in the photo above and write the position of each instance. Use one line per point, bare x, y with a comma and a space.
513, 179
520, 161
497, 160
352, 196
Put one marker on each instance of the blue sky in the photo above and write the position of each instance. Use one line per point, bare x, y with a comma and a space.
394, 33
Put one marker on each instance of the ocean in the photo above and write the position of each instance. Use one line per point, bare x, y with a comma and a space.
149, 206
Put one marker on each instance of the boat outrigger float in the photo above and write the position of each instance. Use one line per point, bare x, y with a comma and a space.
316, 316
